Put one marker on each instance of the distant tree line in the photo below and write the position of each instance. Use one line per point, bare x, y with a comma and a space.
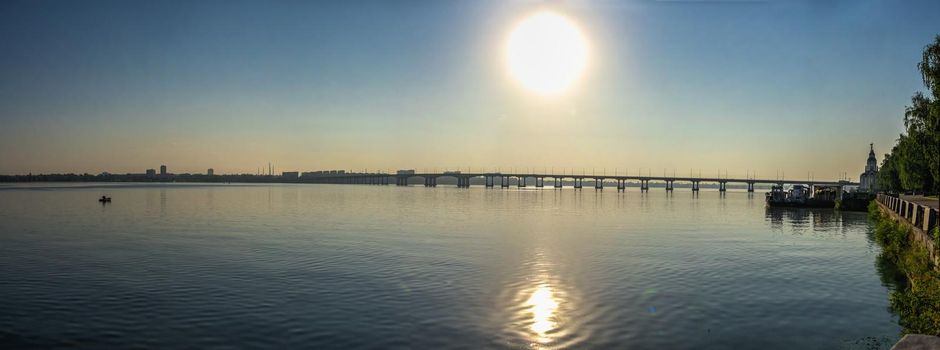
141, 178
914, 163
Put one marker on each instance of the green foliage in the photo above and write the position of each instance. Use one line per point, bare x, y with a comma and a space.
917, 299
889, 179
918, 307
914, 163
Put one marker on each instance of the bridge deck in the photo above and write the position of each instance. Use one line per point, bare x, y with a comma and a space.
610, 177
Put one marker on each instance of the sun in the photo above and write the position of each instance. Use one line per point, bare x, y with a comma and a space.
546, 53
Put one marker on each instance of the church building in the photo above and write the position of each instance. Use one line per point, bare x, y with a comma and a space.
867, 182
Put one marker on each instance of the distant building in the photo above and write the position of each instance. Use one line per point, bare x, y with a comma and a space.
151, 172
163, 170
867, 181
290, 175
210, 172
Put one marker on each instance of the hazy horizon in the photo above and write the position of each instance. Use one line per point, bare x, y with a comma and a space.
124, 86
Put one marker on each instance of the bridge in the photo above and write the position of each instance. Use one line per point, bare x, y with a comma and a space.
504, 180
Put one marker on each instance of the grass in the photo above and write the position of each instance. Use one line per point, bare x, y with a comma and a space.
917, 300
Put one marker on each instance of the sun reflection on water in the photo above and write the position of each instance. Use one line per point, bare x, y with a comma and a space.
543, 306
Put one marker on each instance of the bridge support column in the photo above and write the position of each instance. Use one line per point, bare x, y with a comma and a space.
503, 181
521, 182
669, 185
598, 184
540, 182
644, 185
621, 185
489, 181
695, 186
558, 182
722, 186
578, 182
750, 187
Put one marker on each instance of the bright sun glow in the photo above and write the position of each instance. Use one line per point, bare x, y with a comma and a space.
546, 52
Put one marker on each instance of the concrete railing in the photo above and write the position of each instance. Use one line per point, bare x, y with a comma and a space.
921, 217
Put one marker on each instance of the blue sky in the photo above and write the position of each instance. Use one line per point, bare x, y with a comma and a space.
121, 86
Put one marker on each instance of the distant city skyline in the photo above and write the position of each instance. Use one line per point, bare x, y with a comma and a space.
126, 86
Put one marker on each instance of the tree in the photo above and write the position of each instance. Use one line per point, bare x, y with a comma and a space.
888, 178
914, 162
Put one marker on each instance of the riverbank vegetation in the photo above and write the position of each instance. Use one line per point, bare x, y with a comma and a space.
914, 162
907, 265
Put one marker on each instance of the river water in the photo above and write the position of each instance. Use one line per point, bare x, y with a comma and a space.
346, 266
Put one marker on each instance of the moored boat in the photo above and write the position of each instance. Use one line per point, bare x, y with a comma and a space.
801, 196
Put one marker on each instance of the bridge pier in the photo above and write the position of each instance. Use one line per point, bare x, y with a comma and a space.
488, 180
540, 182
401, 181
722, 186
750, 186
695, 186
621, 185
669, 185
521, 182
430, 181
598, 184
504, 181
644, 185
578, 183
558, 182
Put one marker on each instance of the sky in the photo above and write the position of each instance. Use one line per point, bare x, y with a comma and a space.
740, 87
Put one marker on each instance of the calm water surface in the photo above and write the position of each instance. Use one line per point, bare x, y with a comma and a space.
334, 266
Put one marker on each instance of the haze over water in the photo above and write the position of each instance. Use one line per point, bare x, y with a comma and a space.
333, 266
